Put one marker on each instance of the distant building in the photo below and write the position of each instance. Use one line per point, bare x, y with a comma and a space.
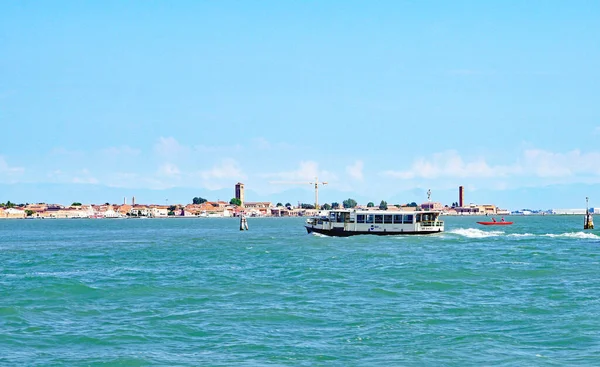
568, 211
12, 213
280, 211
432, 206
470, 210
259, 207
159, 211
140, 210
522, 212
474, 209
239, 192
488, 208
124, 209
461, 196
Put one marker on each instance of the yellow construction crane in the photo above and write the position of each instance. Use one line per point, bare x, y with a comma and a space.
316, 183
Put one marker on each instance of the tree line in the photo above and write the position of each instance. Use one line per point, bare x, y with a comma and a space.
351, 203
347, 204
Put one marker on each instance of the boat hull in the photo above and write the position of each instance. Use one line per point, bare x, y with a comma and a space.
339, 232
495, 223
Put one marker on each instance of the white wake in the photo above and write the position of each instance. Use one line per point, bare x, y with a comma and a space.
579, 235
475, 233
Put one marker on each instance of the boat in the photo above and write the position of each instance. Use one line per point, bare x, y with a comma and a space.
350, 222
494, 223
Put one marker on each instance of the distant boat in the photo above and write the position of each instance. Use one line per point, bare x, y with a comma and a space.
495, 223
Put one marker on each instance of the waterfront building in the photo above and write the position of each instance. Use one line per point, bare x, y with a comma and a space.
13, 213
36, 208
472, 209
280, 211
159, 211
111, 212
124, 209
262, 208
488, 209
139, 210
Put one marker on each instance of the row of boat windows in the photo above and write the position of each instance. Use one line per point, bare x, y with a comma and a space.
384, 219
381, 218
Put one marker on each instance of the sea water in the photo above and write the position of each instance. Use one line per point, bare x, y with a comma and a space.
200, 292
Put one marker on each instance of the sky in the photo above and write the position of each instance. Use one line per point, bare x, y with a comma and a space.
383, 100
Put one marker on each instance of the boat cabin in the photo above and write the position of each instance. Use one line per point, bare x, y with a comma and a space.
352, 221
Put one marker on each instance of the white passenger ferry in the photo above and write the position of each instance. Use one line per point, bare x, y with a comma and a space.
349, 222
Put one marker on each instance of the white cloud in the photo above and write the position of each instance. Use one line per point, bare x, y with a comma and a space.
132, 180
448, 164
169, 170
549, 164
84, 177
307, 171
356, 170
5, 169
533, 163
170, 147
227, 169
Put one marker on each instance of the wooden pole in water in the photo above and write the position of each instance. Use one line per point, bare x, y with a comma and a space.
243, 222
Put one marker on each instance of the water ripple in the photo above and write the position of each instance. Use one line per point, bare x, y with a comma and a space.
200, 292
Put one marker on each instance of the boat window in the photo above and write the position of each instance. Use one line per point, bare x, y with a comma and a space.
408, 218
387, 219
370, 218
418, 218
360, 218
378, 218
340, 217
398, 218
332, 216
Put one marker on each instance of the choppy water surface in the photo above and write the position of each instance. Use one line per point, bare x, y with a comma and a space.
188, 292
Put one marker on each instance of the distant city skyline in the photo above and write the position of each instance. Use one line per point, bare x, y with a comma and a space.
382, 100
569, 198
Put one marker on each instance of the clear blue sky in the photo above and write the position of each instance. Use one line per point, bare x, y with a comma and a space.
381, 99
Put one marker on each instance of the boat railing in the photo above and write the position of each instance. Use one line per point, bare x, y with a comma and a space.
432, 223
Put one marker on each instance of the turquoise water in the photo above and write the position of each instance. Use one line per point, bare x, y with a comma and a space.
191, 292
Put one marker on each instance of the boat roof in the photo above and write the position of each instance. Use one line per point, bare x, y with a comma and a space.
367, 211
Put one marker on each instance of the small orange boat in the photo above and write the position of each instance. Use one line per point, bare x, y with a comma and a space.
496, 223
